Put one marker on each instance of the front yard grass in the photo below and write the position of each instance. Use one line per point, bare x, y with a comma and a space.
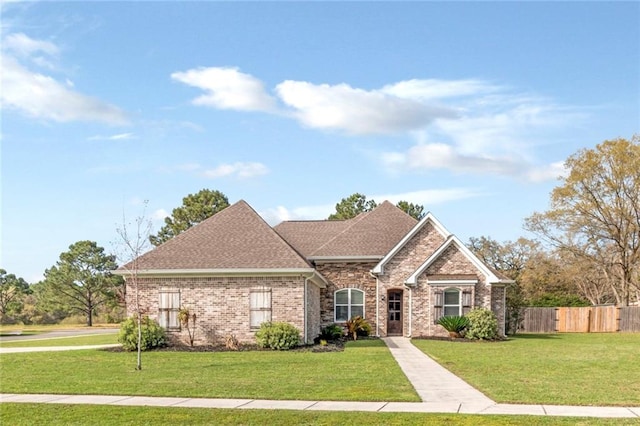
56, 414
99, 339
568, 369
365, 371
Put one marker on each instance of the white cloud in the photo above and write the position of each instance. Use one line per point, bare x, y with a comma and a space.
24, 46
464, 126
427, 197
159, 214
238, 169
227, 88
430, 197
41, 96
116, 137
356, 111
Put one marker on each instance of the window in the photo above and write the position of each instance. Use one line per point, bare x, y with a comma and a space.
260, 310
169, 308
348, 303
451, 302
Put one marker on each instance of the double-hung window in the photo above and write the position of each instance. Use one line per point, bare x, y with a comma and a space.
169, 307
452, 306
260, 307
348, 303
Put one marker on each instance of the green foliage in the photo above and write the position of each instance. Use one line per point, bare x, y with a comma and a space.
358, 326
12, 292
332, 332
414, 210
195, 208
352, 206
483, 324
280, 336
81, 281
153, 336
454, 323
188, 321
554, 300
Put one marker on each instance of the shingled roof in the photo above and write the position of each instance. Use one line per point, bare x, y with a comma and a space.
235, 238
372, 233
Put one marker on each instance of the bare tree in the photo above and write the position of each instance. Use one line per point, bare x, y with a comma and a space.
595, 214
133, 243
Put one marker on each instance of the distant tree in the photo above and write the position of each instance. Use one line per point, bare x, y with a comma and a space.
414, 210
595, 214
357, 203
352, 206
195, 208
81, 280
12, 291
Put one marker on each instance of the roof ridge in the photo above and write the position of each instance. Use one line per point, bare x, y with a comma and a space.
353, 220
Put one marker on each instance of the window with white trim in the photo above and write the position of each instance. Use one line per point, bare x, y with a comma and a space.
452, 306
169, 307
348, 303
260, 306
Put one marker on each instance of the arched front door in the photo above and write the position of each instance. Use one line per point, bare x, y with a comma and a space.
394, 312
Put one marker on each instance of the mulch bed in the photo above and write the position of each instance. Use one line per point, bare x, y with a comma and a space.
329, 347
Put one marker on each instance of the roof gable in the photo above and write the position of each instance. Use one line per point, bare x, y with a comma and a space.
428, 218
235, 238
453, 240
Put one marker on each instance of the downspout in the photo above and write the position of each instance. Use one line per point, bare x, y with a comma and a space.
377, 304
410, 309
304, 317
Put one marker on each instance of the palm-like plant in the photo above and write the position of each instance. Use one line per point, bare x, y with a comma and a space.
454, 324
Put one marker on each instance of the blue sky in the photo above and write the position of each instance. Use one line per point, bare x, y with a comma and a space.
466, 108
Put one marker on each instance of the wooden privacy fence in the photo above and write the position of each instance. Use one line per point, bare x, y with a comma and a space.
592, 319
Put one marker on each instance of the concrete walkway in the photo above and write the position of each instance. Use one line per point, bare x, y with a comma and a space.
432, 382
440, 390
385, 407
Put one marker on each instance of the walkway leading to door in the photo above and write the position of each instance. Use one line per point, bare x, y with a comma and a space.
434, 383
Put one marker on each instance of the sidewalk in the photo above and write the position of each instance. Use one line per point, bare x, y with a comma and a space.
386, 407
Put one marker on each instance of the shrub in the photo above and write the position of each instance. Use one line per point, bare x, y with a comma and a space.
332, 332
483, 324
152, 334
358, 326
454, 324
281, 336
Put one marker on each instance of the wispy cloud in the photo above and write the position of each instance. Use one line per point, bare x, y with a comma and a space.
239, 169
465, 126
116, 137
427, 198
42, 96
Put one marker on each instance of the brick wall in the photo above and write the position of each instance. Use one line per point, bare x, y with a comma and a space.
347, 275
221, 304
396, 272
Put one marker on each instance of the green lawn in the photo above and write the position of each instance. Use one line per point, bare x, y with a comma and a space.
101, 339
365, 371
571, 369
56, 414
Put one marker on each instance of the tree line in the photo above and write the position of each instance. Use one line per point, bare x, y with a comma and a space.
586, 248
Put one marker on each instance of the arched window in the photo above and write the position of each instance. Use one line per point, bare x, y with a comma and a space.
452, 305
348, 303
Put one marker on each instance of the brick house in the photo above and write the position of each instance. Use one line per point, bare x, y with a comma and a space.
234, 271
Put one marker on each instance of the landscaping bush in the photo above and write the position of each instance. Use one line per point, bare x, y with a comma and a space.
153, 335
358, 326
332, 332
454, 324
483, 324
280, 336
